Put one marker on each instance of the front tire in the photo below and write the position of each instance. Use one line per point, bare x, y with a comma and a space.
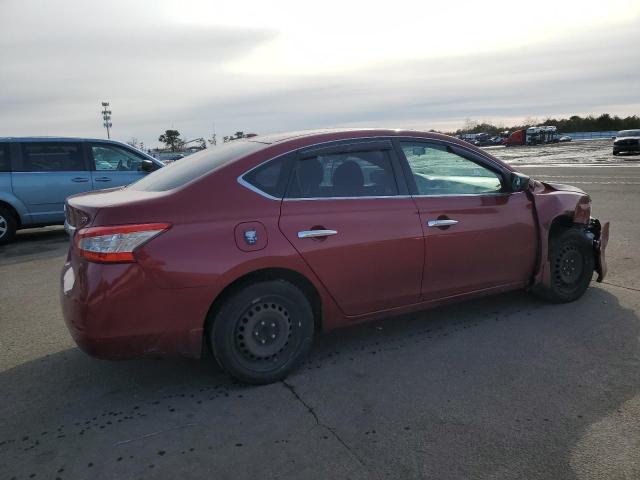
572, 263
8, 226
262, 332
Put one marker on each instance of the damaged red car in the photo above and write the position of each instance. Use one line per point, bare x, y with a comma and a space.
252, 248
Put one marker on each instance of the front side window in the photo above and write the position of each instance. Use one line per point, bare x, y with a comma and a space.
115, 159
354, 174
52, 157
437, 170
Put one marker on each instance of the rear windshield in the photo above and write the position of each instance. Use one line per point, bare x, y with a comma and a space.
189, 168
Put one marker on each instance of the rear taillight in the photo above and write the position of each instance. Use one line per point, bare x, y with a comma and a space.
115, 244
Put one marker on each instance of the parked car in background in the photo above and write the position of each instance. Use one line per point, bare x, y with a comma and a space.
38, 174
251, 248
168, 157
626, 141
565, 138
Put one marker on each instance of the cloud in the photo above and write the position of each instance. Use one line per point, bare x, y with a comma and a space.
159, 73
589, 74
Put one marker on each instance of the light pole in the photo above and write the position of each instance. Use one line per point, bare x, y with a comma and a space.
106, 116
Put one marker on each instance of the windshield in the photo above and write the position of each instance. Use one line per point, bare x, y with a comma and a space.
187, 169
629, 133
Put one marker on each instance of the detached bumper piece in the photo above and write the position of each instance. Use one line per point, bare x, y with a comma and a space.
599, 235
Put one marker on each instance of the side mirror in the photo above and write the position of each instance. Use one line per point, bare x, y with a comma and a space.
148, 166
519, 182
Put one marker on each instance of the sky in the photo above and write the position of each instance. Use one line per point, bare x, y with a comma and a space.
265, 67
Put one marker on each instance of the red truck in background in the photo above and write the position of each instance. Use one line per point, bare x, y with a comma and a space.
534, 136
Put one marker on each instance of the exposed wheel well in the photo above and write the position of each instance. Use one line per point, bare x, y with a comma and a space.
291, 276
559, 224
9, 207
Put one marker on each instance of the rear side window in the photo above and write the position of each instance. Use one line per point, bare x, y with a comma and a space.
5, 165
52, 157
353, 174
270, 178
194, 166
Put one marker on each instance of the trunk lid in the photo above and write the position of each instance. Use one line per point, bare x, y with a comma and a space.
108, 207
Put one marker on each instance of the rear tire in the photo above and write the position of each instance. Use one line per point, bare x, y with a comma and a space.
572, 263
616, 153
8, 226
262, 332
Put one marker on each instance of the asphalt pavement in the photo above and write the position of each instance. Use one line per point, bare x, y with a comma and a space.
498, 388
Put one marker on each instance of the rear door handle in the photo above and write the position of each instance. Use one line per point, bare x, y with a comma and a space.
79, 179
441, 223
316, 233
102, 179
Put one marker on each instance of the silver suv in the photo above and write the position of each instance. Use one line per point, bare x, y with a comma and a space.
38, 174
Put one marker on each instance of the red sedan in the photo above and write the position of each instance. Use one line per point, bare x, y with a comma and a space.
251, 248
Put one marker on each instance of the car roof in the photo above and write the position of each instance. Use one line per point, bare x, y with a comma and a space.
305, 138
57, 139
329, 134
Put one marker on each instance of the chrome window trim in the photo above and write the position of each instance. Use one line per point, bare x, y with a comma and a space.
370, 197
255, 189
487, 194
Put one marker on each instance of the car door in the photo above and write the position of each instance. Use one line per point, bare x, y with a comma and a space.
113, 165
346, 215
45, 174
477, 234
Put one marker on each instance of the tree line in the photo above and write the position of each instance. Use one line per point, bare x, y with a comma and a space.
173, 141
575, 123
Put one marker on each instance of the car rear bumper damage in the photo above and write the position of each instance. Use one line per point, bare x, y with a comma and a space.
116, 312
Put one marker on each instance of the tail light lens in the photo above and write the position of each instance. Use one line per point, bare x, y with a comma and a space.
115, 244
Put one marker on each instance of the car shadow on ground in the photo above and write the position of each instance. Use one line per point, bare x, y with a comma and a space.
441, 386
33, 243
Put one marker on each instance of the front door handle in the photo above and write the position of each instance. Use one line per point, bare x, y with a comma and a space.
102, 179
79, 179
441, 223
316, 233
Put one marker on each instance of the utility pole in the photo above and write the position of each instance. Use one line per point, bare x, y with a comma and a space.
213, 140
106, 116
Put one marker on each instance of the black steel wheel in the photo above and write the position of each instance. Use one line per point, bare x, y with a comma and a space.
263, 332
572, 265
